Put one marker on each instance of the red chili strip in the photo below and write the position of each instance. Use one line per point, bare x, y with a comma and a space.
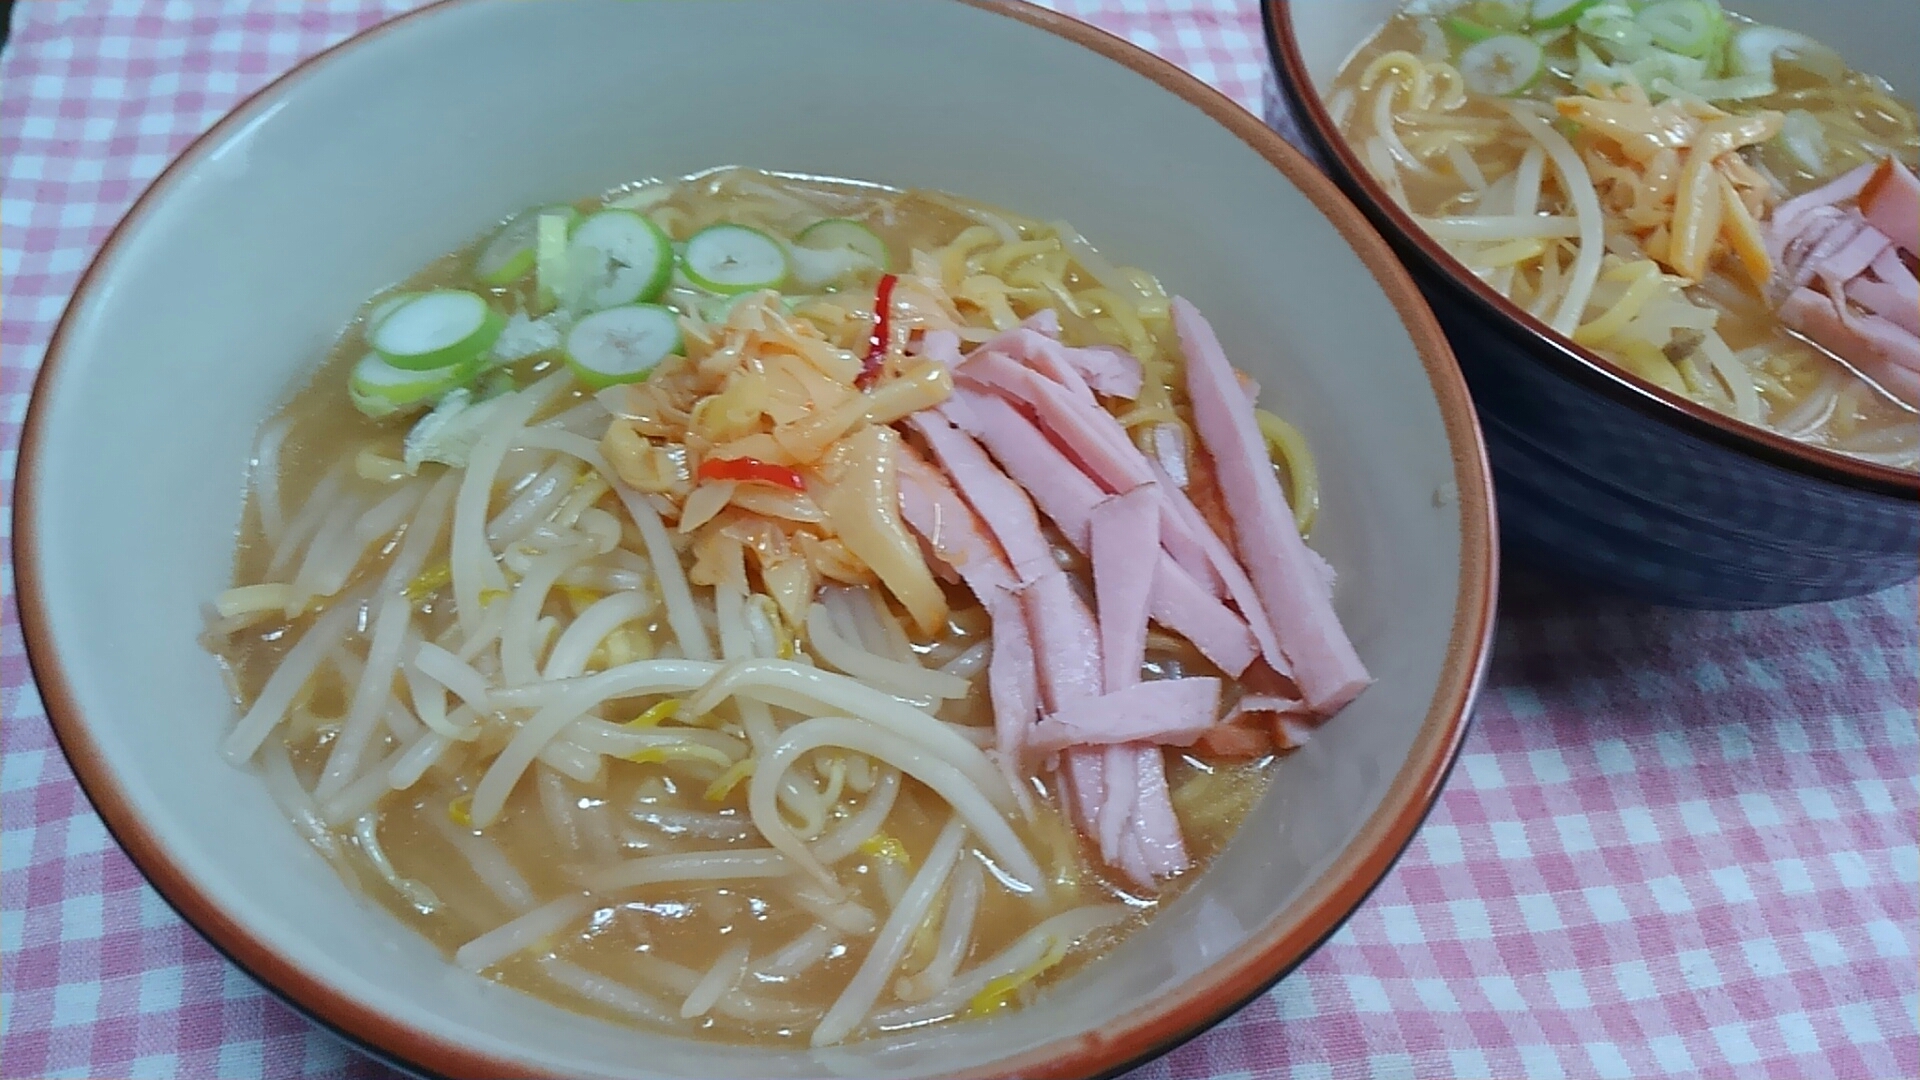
748, 470
882, 332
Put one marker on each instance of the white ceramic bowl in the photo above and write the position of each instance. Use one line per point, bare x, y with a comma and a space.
227, 281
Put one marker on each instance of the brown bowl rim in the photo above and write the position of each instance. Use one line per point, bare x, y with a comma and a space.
1146, 1032
1593, 369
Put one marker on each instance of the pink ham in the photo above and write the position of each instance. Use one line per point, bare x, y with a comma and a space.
1110, 371
1833, 257
1819, 234
1165, 712
1125, 544
1786, 217
1882, 350
1889, 301
957, 536
1045, 321
1066, 640
1852, 259
1238, 587
1890, 199
1007, 510
1095, 440
1154, 823
1089, 432
942, 346
1290, 588
1133, 822
1113, 372
1062, 492
1068, 497
1027, 350
1083, 773
1892, 294
1043, 637
1183, 605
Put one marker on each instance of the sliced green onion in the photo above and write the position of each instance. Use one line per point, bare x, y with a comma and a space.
379, 389
1502, 66
437, 329
1498, 14
380, 309
550, 255
734, 259
838, 233
621, 344
1467, 30
510, 255
1611, 27
1687, 27
1754, 49
828, 251
617, 257
1554, 14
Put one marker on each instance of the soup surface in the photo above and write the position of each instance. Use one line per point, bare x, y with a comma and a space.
700, 606
1721, 208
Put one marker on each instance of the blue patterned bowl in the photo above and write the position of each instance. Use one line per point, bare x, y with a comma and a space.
1600, 474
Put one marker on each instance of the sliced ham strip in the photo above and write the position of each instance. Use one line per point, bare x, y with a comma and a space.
1067, 496
1062, 491
1183, 605
1084, 774
1165, 712
1882, 350
1110, 371
1239, 589
1132, 820
959, 538
1852, 259
1290, 588
1116, 845
1154, 822
942, 346
1822, 234
1066, 640
1889, 301
999, 501
1113, 372
1890, 199
1125, 544
1028, 350
1045, 321
1786, 216
1046, 628
1089, 432
1096, 441
950, 527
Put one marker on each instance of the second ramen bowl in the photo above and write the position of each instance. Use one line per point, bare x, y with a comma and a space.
219, 293
1601, 474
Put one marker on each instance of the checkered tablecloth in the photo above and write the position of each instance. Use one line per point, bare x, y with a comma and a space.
1677, 844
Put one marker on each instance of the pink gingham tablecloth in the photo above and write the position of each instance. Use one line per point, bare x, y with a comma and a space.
1676, 845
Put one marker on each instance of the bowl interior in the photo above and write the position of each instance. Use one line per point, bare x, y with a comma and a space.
229, 282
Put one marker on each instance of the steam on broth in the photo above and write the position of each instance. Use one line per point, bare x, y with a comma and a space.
723, 605
1722, 208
